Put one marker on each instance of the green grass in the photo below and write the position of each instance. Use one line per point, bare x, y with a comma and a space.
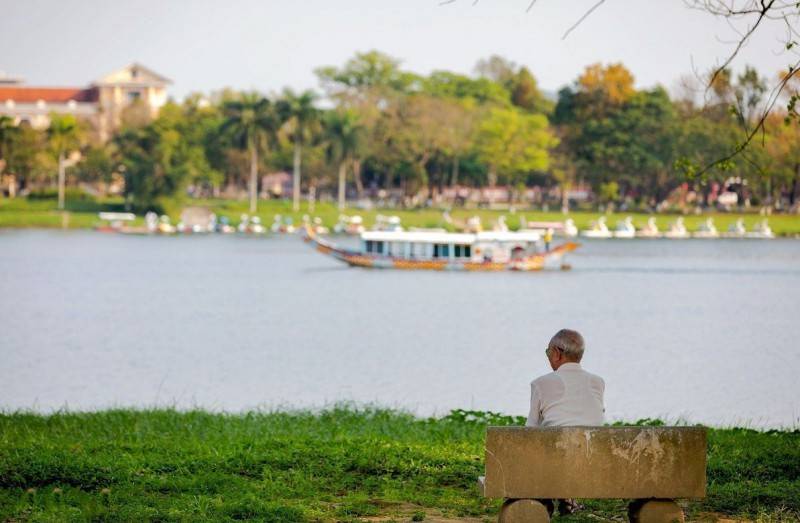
341, 464
22, 212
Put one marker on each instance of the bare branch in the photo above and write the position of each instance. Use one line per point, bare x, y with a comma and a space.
742, 42
751, 134
585, 15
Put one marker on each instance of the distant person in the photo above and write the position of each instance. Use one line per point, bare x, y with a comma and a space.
548, 237
567, 397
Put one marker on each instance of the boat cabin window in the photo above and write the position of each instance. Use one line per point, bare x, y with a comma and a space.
441, 250
463, 251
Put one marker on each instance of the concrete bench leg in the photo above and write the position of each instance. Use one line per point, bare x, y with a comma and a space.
523, 511
655, 511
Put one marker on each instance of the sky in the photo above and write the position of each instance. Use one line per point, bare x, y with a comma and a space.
266, 45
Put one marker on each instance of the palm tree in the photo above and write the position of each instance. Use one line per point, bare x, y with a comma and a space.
8, 132
251, 122
344, 140
299, 110
64, 137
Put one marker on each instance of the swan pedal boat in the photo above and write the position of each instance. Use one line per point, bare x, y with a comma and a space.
434, 250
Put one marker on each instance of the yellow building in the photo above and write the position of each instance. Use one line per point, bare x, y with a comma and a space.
102, 103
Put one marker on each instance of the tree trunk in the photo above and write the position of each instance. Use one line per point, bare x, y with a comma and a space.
296, 177
795, 185
357, 176
492, 182
61, 180
253, 179
454, 177
342, 177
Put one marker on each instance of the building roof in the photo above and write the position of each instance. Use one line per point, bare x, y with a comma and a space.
26, 94
134, 74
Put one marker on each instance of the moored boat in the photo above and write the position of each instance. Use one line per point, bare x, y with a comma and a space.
433, 250
761, 230
625, 228
706, 230
650, 230
736, 229
114, 221
599, 229
677, 230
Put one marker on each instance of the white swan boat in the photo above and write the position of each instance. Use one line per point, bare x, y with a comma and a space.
650, 230
569, 230
736, 229
625, 229
677, 230
598, 229
761, 230
387, 223
352, 225
706, 230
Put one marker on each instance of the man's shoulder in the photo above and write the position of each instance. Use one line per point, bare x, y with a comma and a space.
545, 378
594, 378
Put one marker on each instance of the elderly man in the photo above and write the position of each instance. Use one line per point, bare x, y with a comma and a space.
568, 396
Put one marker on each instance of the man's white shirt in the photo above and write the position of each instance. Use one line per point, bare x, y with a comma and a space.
567, 397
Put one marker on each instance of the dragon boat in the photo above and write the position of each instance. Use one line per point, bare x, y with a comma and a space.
438, 250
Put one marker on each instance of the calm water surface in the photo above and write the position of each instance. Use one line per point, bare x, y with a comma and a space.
699, 330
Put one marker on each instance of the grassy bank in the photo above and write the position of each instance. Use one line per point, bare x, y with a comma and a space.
21, 212
337, 465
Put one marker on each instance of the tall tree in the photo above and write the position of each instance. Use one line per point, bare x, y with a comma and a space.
63, 136
251, 122
8, 135
513, 143
496, 68
343, 143
364, 75
525, 93
299, 112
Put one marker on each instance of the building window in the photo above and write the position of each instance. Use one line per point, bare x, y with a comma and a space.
134, 95
379, 246
370, 246
468, 251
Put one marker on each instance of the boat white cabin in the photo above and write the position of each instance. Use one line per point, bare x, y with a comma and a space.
440, 250
495, 246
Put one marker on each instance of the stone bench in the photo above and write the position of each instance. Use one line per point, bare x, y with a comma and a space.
651, 465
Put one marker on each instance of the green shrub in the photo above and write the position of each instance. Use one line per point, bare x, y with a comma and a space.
70, 194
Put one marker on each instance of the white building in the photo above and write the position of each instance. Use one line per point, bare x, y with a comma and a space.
102, 103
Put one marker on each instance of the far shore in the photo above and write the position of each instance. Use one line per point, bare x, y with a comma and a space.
24, 213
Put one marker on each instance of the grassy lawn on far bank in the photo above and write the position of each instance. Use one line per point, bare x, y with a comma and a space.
21, 212
335, 465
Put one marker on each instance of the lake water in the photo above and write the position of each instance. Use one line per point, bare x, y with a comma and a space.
704, 331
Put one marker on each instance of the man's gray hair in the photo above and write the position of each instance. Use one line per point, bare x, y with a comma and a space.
570, 342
